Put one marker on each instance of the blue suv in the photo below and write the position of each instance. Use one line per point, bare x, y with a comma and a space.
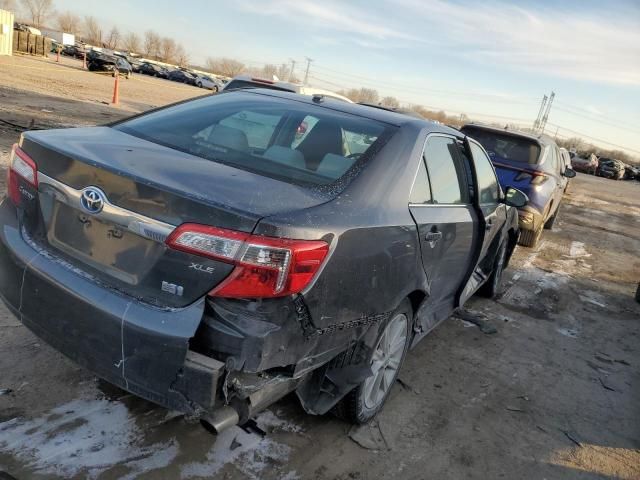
531, 163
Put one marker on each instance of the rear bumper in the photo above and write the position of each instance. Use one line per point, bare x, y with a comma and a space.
142, 349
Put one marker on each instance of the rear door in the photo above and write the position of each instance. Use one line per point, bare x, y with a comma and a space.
446, 221
494, 215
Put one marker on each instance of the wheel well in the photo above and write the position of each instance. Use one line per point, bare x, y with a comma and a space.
416, 297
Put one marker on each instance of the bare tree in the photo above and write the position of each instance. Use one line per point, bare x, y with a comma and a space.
390, 102
268, 71
368, 95
92, 31
182, 57
38, 10
9, 5
151, 45
113, 38
168, 49
131, 42
69, 22
225, 66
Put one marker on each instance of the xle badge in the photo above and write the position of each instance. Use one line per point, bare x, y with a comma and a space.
172, 288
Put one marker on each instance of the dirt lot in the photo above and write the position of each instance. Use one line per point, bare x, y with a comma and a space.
555, 393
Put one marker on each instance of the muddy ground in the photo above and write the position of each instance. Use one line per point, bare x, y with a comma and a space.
555, 393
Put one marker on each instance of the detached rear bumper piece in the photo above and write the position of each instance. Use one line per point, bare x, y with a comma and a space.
142, 349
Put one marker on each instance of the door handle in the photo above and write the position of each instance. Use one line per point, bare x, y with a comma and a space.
433, 238
489, 225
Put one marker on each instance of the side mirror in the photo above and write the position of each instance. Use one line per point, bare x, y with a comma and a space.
569, 172
515, 198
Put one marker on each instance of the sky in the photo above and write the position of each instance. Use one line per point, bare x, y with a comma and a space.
493, 60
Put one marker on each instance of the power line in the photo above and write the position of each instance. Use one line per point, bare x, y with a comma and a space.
594, 138
605, 122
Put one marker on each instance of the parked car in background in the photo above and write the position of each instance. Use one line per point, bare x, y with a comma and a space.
534, 165
610, 168
102, 62
74, 51
182, 76
585, 165
631, 172
153, 70
134, 62
247, 81
208, 82
240, 288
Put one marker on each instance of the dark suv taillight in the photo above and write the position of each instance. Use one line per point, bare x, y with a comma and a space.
536, 178
265, 266
21, 166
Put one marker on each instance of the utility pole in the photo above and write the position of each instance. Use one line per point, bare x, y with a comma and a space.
546, 113
306, 75
536, 124
293, 65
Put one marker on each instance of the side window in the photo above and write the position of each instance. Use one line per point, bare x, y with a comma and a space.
421, 191
487, 181
444, 172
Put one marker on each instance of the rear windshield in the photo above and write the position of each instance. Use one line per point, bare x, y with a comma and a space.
291, 141
504, 146
236, 84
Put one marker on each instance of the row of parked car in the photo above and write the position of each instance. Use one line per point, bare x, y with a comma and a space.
126, 65
605, 167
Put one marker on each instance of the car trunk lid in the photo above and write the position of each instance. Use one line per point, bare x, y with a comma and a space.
146, 191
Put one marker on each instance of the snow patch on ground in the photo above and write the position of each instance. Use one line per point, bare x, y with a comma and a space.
568, 332
577, 250
84, 436
251, 453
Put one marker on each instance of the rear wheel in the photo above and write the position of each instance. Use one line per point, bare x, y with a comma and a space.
530, 238
492, 286
367, 399
549, 223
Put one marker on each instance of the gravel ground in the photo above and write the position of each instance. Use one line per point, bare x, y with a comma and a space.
555, 393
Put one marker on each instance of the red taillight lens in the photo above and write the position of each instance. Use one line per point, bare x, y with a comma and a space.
265, 266
21, 166
536, 178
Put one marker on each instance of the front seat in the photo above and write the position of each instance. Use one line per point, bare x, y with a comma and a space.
324, 138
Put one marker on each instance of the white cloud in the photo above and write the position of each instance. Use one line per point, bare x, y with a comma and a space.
570, 44
577, 44
329, 15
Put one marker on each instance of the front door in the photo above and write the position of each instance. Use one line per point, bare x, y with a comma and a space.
494, 216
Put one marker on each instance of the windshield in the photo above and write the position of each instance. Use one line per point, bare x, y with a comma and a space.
504, 146
291, 141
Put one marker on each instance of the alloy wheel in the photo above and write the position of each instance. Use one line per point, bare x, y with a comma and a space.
385, 361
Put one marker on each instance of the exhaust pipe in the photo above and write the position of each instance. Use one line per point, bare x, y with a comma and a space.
220, 419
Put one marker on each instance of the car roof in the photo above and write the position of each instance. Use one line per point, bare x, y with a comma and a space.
542, 139
381, 115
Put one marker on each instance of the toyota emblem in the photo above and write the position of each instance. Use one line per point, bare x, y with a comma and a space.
92, 199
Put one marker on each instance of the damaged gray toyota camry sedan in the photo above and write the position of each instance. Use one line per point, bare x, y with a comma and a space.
218, 254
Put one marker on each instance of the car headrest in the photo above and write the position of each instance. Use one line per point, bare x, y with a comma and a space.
334, 166
287, 156
228, 137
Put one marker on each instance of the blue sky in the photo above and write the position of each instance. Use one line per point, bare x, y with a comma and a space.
493, 60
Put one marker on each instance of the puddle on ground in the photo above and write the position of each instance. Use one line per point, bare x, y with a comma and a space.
88, 437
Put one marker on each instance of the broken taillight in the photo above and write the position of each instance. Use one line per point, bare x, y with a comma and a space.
264, 266
21, 166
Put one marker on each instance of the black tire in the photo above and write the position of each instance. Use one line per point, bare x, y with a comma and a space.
215, 89
530, 238
352, 407
493, 286
548, 225
199, 85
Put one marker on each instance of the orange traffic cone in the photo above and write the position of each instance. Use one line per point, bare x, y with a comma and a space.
116, 90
